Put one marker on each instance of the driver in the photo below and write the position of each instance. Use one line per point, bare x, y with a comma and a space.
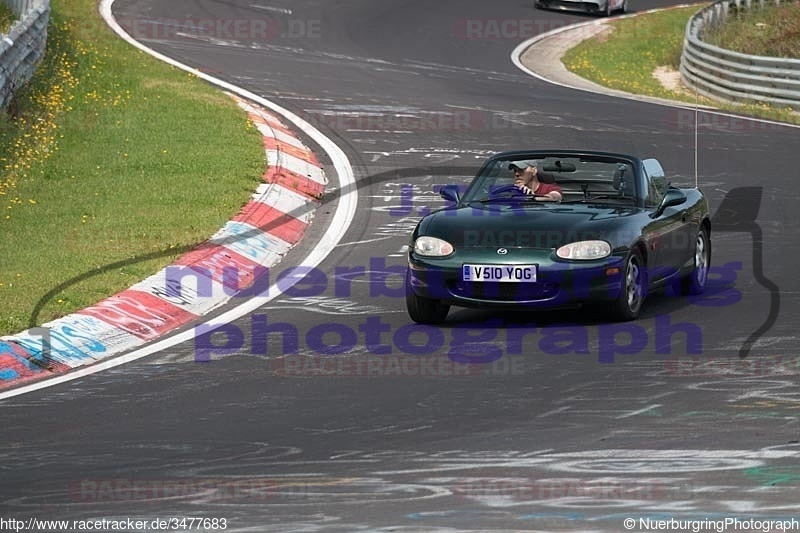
527, 178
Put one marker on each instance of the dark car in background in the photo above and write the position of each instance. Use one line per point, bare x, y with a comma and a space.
620, 231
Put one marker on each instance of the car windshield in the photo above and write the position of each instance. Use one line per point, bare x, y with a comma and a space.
580, 178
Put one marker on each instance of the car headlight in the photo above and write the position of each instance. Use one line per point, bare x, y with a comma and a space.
584, 250
432, 247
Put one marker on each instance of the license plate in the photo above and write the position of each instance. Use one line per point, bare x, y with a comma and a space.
503, 273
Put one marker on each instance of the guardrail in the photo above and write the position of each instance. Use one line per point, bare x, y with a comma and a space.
20, 6
731, 76
23, 46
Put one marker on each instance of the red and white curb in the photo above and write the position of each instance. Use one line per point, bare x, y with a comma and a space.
269, 225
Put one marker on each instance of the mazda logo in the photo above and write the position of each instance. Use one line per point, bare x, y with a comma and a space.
502, 251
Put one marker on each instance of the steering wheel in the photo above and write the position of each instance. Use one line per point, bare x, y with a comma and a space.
512, 191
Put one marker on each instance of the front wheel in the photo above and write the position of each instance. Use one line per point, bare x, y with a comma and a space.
424, 310
634, 287
695, 282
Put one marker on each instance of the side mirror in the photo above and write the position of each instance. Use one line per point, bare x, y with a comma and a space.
451, 193
671, 197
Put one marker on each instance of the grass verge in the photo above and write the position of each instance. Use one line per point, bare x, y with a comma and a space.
109, 156
772, 31
627, 56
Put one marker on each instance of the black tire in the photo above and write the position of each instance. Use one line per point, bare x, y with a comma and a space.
696, 281
424, 310
634, 288
624, 8
607, 11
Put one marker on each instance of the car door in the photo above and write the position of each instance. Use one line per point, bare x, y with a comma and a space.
669, 233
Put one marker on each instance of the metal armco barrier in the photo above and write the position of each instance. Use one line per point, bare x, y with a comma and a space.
23, 46
726, 75
20, 6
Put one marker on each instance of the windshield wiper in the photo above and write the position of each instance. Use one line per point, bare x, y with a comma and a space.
598, 197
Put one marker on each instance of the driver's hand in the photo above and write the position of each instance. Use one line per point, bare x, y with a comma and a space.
524, 188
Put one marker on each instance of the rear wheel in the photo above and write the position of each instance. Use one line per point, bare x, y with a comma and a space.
634, 287
695, 282
424, 310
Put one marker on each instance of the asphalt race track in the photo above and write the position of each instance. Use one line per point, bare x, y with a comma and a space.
493, 422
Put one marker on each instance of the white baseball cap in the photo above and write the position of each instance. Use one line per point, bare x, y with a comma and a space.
523, 164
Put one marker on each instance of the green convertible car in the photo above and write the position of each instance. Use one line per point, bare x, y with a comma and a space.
615, 230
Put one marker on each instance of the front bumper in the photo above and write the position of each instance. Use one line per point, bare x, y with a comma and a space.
559, 283
570, 5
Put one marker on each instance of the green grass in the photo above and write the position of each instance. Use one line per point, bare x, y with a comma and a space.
108, 156
773, 31
626, 57
7, 17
